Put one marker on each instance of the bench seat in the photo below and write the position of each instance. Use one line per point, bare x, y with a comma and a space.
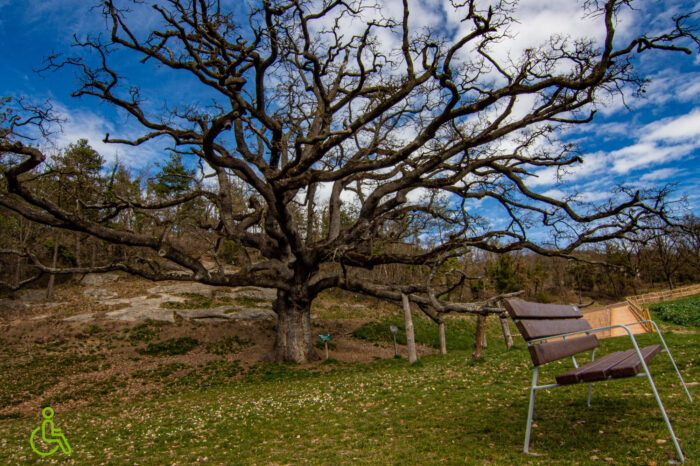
613, 365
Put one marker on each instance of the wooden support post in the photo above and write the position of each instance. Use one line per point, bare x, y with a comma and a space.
441, 336
484, 342
479, 337
52, 277
410, 334
506, 331
441, 326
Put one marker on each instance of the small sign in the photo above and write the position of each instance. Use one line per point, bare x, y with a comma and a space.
325, 337
393, 329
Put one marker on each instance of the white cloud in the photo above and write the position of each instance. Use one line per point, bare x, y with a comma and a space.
661, 174
85, 124
643, 154
682, 128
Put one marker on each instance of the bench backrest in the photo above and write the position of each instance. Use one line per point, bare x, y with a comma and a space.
535, 320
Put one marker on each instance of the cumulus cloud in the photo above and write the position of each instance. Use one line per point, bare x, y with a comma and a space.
81, 123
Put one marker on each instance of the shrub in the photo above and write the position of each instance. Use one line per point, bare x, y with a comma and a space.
684, 311
228, 345
145, 332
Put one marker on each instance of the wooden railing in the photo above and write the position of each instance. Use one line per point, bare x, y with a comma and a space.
641, 313
637, 303
665, 295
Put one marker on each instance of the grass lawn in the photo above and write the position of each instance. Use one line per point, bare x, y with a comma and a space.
446, 409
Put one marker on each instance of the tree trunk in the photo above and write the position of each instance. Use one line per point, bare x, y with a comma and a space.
484, 342
410, 335
293, 330
441, 336
52, 278
479, 337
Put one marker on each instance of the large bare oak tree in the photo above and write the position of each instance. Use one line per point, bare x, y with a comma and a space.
328, 151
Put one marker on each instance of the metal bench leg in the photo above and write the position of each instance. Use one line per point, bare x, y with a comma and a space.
661, 405
590, 385
530, 410
661, 337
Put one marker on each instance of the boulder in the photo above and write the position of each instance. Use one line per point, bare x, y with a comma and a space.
98, 279
99, 294
257, 293
141, 313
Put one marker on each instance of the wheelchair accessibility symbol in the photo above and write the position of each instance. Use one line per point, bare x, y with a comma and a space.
49, 435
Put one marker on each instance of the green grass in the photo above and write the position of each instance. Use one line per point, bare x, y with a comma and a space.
684, 311
446, 410
228, 345
250, 302
145, 331
170, 347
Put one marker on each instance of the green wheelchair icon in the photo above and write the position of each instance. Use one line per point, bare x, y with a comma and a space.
49, 434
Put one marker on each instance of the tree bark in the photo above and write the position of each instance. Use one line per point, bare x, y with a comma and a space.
293, 330
410, 334
441, 336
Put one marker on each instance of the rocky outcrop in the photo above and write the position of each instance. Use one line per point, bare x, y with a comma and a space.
99, 279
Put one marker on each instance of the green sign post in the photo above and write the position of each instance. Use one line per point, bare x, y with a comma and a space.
325, 339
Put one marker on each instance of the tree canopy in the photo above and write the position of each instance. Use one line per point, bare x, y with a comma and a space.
324, 152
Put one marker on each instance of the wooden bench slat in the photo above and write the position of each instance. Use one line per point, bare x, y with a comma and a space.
593, 372
531, 329
543, 353
631, 366
615, 365
574, 375
519, 309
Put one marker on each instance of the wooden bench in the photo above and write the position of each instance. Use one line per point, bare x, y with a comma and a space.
554, 332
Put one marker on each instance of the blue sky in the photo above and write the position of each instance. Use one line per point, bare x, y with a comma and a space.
658, 142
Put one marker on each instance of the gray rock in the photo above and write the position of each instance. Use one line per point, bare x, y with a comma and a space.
251, 314
262, 294
141, 313
87, 317
97, 279
187, 287
221, 313
99, 294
